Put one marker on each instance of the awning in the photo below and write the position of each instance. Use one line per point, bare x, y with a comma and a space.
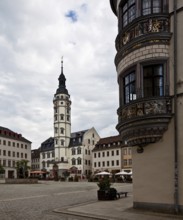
37, 172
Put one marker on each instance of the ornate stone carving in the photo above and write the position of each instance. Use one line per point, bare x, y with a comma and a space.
144, 121
126, 38
142, 27
145, 108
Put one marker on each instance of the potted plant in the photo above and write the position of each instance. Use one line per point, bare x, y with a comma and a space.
104, 186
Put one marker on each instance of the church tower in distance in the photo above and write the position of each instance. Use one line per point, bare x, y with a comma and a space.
62, 122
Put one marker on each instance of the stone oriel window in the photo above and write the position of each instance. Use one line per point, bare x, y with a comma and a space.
149, 80
131, 9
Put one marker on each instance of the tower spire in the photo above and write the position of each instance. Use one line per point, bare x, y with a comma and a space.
62, 65
62, 86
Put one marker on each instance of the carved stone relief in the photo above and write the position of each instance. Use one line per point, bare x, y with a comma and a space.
145, 121
145, 108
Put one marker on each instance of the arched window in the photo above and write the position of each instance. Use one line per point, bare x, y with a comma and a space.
62, 130
79, 150
62, 142
61, 116
73, 161
79, 161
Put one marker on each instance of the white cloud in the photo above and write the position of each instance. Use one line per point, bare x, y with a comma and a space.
33, 36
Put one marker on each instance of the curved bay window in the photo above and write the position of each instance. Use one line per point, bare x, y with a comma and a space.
154, 6
128, 12
129, 87
131, 9
153, 80
149, 81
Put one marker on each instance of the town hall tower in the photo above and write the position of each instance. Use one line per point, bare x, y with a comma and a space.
62, 121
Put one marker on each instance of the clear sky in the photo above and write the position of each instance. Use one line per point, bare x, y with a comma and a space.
34, 35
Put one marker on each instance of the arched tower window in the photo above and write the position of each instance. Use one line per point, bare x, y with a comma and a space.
56, 141
61, 116
62, 130
62, 142
56, 130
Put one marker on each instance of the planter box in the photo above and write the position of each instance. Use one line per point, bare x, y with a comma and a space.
102, 195
110, 194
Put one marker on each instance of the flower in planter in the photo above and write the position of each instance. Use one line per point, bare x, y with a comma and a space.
104, 184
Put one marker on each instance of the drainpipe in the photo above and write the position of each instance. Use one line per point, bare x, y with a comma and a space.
176, 193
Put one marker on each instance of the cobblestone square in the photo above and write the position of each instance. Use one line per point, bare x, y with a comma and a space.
38, 201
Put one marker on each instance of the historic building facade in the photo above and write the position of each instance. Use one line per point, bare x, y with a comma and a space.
150, 115
81, 145
35, 159
110, 154
66, 151
47, 155
13, 147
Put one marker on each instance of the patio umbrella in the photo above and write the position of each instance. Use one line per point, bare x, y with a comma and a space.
103, 173
122, 173
130, 173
